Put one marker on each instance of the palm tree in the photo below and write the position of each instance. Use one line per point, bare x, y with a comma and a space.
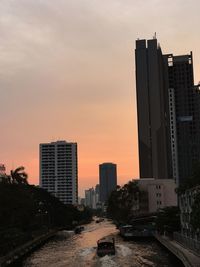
19, 176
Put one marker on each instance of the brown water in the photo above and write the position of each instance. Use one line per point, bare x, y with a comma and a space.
67, 249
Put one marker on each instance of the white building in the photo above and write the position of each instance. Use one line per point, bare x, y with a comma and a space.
59, 170
92, 197
160, 193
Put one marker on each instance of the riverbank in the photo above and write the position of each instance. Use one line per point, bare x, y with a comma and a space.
187, 257
26, 248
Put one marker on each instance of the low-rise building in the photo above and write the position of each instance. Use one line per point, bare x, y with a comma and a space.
156, 194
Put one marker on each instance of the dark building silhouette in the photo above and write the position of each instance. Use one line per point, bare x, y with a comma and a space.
184, 98
152, 107
107, 180
168, 107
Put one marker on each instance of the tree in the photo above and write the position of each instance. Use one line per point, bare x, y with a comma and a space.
122, 200
19, 176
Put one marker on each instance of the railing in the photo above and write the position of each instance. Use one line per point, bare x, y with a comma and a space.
187, 242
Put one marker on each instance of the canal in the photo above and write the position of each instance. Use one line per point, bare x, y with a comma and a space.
67, 249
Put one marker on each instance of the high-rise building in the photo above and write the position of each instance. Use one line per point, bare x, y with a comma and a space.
152, 107
90, 198
168, 106
107, 180
184, 103
59, 170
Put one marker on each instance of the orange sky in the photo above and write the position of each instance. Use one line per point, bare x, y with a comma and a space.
67, 72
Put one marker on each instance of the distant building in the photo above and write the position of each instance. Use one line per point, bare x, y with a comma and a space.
82, 201
59, 170
90, 198
2, 172
156, 194
97, 195
2, 169
107, 180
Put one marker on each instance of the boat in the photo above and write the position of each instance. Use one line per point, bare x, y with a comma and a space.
106, 246
99, 220
78, 230
126, 231
131, 232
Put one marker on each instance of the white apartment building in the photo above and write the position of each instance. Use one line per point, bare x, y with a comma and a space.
92, 197
59, 170
160, 193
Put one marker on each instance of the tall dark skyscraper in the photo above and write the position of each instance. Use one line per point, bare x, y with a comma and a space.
152, 106
107, 180
168, 106
184, 105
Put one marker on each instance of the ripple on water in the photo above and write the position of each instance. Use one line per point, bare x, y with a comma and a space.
107, 261
124, 250
86, 251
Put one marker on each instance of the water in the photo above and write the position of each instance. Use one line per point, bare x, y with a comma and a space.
67, 249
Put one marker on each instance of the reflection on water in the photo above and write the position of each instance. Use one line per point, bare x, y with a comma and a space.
67, 249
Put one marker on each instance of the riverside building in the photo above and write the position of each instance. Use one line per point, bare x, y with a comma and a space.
107, 180
168, 107
59, 170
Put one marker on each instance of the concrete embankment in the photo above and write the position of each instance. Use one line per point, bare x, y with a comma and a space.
21, 251
188, 258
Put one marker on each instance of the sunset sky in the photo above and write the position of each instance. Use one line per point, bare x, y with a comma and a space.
67, 73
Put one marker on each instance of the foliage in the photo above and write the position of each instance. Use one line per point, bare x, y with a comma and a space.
122, 200
195, 215
28, 210
17, 176
168, 220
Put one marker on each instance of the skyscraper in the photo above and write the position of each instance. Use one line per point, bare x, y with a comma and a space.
107, 180
184, 102
168, 106
152, 107
59, 171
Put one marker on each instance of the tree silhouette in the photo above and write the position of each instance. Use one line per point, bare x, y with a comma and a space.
122, 201
19, 176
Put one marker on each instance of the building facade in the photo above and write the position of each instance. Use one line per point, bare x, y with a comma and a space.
152, 108
92, 197
59, 170
107, 180
157, 194
168, 106
185, 118
186, 201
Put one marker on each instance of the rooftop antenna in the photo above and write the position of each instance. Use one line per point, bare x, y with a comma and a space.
154, 37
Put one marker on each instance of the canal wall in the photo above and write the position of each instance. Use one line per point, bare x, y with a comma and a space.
21, 251
187, 257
